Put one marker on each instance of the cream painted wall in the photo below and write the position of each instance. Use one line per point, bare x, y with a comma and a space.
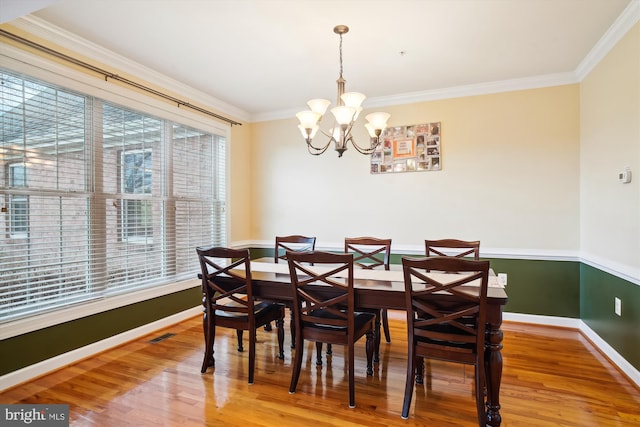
240, 174
509, 178
610, 140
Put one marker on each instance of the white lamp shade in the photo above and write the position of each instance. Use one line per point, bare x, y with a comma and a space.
303, 131
353, 99
343, 114
308, 119
371, 130
378, 120
319, 105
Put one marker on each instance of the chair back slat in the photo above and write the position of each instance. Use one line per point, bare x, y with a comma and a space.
226, 279
369, 252
293, 243
453, 247
318, 296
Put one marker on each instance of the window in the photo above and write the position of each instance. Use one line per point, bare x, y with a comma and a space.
18, 203
136, 216
100, 199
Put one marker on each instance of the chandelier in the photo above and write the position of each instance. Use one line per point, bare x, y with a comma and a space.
345, 115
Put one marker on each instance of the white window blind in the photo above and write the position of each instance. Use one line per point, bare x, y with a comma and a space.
98, 199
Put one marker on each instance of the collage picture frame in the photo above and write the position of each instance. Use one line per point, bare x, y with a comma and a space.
410, 148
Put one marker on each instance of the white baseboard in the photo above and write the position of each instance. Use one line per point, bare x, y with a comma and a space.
38, 369
629, 370
622, 363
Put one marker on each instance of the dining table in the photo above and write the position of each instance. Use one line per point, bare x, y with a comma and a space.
378, 289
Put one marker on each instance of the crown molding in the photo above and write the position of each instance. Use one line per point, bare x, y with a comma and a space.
526, 83
619, 28
41, 28
627, 19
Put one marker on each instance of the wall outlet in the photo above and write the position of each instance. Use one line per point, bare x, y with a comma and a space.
502, 279
617, 306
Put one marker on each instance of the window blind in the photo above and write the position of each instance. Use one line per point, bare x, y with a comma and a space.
98, 199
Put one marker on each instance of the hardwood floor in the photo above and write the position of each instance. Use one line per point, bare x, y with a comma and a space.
551, 377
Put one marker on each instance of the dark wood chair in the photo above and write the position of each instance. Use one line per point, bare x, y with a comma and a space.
294, 243
450, 328
370, 253
324, 309
453, 247
228, 302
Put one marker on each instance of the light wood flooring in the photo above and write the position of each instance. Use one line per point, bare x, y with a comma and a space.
551, 377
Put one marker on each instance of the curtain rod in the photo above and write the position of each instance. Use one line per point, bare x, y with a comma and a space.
109, 75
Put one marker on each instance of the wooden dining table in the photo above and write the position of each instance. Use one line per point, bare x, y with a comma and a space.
379, 289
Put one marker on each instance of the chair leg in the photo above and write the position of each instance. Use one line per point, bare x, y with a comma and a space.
376, 331
319, 353
419, 369
239, 334
292, 328
297, 365
352, 386
252, 355
329, 348
210, 336
385, 325
268, 327
408, 387
280, 327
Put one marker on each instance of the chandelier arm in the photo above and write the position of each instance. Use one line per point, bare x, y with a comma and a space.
317, 151
320, 150
369, 150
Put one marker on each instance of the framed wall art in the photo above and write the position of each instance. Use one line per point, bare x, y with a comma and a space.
412, 148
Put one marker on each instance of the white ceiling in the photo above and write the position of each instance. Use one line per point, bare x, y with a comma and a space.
271, 56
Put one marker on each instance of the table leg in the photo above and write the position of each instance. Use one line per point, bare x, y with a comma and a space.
493, 370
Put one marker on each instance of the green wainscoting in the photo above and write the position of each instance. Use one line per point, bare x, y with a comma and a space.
549, 288
597, 292
33, 347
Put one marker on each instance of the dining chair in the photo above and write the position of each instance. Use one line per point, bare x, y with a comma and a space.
453, 247
450, 328
324, 309
295, 243
229, 303
371, 253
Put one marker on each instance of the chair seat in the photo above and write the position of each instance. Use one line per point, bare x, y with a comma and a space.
260, 309
360, 321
